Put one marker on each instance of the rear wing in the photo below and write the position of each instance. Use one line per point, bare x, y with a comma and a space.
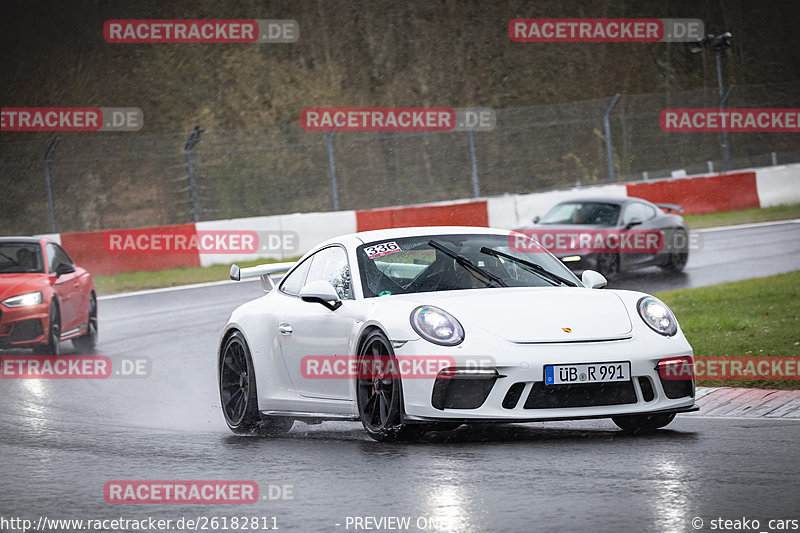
671, 207
263, 271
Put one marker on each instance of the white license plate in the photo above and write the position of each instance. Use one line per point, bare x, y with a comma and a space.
587, 373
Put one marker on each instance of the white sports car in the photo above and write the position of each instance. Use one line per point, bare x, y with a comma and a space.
425, 328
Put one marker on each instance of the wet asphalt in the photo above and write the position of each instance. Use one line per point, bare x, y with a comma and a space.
62, 440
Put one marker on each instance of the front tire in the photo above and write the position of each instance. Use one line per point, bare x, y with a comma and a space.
238, 393
379, 396
53, 346
88, 341
643, 423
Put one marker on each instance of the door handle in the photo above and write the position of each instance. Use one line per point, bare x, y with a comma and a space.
285, 329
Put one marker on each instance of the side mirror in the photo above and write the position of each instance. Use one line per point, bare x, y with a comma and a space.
64, 268
593, 280
321, 292
536, 219
633, 222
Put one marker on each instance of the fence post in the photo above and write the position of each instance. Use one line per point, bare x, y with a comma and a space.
473, 160
46, 161
725, 139
612, 174
476, 192
332, 165
188, 155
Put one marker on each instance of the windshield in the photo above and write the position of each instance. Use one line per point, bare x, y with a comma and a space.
21, 258
413, 264
594, 213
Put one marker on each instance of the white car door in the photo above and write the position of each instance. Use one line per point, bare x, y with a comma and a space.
311, 329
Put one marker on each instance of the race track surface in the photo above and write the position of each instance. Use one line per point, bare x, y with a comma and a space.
62, 440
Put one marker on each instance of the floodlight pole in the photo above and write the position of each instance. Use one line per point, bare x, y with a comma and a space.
612, 173
188, 155
332, 164
723, 97
47, 182
718, 43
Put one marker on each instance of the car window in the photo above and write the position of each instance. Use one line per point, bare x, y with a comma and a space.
295, 281
330, 264
594, 213
20, 258
56, 256
638, 210
410, 264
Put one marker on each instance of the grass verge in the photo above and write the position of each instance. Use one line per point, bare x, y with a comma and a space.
139, 281
752, 318
747, 216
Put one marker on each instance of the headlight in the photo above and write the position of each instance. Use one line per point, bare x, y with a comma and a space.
437, 325
657, 315
24, 300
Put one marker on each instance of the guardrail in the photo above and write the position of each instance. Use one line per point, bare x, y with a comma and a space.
762, 187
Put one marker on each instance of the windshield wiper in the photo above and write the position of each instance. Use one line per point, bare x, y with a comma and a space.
466, 263
538, 269
10, 259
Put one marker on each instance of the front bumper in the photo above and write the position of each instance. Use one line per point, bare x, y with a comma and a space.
518, 392
23, 326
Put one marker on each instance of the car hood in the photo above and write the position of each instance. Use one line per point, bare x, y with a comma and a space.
15, 284
538, 314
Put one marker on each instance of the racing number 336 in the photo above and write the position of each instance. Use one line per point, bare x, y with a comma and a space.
378, 250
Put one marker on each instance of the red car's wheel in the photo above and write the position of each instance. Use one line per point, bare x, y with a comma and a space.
53, 346
88, 341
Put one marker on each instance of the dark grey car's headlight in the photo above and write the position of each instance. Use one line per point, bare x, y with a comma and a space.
437, 325
657, 315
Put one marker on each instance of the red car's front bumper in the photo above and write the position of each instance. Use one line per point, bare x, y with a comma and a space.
24, 326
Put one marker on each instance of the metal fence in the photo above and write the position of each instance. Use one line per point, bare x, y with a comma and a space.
102, 181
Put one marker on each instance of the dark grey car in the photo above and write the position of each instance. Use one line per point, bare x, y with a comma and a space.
609, 215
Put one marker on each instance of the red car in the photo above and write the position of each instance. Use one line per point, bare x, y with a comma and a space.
44, 297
